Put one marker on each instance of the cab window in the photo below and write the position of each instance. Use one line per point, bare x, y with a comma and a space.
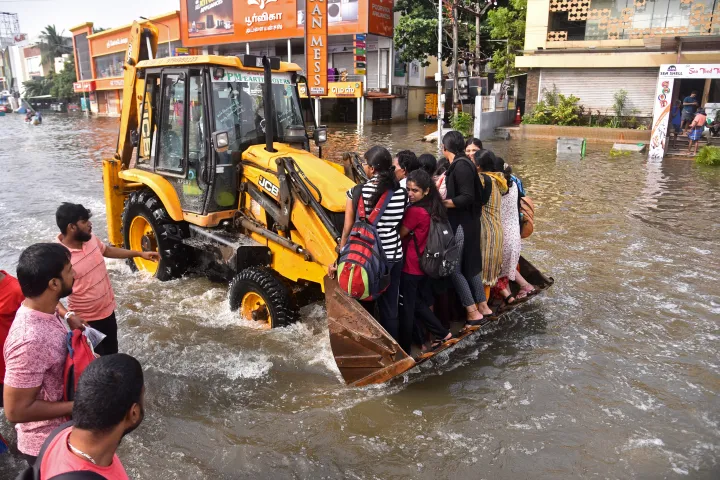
172, 141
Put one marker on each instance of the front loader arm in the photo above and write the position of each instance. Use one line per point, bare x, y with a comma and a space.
141, 46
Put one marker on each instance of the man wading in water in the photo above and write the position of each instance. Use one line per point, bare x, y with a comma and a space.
92, 298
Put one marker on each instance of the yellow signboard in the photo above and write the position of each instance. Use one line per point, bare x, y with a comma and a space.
338, 90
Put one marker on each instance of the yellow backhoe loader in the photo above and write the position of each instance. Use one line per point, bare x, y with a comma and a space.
213, 170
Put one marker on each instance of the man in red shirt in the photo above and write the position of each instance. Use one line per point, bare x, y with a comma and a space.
10, 299
92, 299
108, 405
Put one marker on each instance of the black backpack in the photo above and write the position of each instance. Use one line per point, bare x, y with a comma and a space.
33, 472
442, 253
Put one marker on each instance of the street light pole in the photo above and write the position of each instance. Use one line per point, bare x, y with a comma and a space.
169, 41
440, 104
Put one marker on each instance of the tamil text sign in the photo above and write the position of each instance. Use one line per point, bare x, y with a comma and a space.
316, 37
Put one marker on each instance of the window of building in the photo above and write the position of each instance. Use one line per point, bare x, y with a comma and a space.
110, 65
629, 19
82, 56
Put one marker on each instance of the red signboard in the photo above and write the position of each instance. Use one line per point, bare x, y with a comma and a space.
316, 37
86, 86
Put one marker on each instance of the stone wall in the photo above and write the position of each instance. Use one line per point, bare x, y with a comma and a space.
532, 88
595, 134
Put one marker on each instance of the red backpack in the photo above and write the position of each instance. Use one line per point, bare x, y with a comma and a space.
80, 354
363, 270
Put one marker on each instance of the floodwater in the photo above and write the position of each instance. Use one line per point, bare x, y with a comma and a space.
612, 373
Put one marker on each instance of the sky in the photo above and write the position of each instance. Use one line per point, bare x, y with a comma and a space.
35, 15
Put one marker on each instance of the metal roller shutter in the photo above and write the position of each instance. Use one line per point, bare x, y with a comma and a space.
596, 87
344, 60
372, 70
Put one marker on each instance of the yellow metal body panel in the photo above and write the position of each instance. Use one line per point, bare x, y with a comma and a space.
162, 188
336, 166
210, 220
328, 179
291, 265
315, 237
114, 201
217, 60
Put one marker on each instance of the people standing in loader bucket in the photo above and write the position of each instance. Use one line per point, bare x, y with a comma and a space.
426, 207
378, 167
92, 299
464, 201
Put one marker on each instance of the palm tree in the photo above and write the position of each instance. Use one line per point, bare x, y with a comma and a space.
52, 45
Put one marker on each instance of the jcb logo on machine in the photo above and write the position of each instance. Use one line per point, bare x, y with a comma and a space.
269, 186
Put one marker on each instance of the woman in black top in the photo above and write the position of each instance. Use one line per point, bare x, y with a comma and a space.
464, 200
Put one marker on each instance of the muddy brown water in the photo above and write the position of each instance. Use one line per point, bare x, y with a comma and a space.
613, 373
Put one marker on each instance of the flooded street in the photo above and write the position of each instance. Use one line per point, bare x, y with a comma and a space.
613, 373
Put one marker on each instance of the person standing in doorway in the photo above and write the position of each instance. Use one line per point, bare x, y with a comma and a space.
35, 349
690, 106
697, 127
92, 299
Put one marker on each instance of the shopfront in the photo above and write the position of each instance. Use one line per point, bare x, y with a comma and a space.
277, 28
675, 82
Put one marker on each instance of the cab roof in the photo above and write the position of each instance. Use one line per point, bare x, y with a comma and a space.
217, 60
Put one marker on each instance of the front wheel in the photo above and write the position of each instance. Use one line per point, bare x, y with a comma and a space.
258, 295
147, 227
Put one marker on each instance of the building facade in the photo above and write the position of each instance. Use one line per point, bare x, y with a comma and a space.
380, 89
99, 60
595, 48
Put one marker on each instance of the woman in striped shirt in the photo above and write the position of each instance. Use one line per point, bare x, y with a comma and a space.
378, 167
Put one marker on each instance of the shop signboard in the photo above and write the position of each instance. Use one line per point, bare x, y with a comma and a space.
380, 20
86, 86
337, 90
212, 22
181, 51
316, 32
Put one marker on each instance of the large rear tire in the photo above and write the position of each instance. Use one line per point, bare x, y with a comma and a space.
256, 293
146, 226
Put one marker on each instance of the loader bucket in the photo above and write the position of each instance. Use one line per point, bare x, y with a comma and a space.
364, 352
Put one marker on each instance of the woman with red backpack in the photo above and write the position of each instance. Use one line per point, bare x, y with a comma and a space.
426, 207
378, 167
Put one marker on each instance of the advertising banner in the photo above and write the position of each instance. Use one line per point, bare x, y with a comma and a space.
211, 17
316, 33
236, 21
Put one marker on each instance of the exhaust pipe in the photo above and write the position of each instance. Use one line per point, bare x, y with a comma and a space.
268, 104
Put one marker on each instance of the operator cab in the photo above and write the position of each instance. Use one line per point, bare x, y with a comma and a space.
197, 121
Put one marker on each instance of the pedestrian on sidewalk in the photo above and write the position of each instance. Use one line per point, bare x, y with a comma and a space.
35, 349
92, 299
109, 404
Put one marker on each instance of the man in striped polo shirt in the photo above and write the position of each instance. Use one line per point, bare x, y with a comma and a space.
92, 299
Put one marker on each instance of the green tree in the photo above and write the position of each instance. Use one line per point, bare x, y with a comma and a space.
39, 87
63, 82
507, 23
52, 44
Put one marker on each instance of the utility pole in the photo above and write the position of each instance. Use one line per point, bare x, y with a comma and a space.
456, 92
477, 41
438, 77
